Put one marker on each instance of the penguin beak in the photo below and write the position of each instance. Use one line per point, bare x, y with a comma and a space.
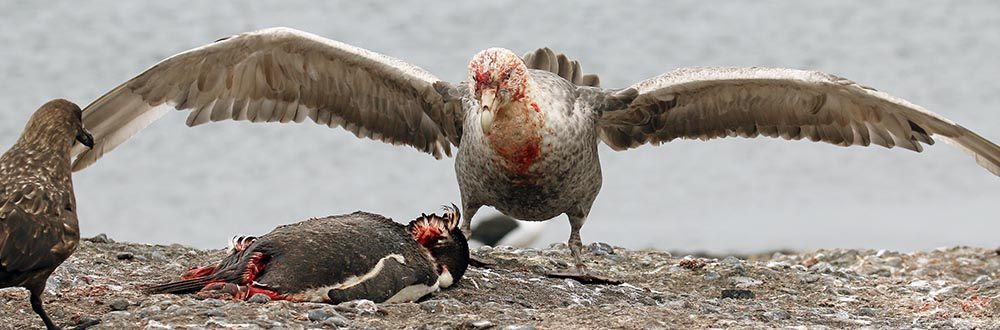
490, 105
84, 137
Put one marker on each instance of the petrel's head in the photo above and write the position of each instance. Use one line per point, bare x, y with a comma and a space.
496, 77
443, 238
57, 125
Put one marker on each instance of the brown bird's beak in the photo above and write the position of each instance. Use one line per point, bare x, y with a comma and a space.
85, 138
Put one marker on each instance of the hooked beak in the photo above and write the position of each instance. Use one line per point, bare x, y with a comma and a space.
490, 104
85, 138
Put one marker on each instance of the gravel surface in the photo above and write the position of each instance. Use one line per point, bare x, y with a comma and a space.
98, 288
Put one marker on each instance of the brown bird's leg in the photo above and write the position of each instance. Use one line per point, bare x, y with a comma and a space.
36, 305
576, 248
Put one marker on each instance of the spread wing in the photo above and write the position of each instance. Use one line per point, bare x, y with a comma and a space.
548, 60
283, 75
707, 103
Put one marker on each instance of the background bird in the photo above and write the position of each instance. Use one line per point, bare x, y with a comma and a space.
338, 258
501, 230
528, 138
38, 224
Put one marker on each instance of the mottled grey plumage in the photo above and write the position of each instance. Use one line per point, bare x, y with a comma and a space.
527, 134
38, 225
341, 258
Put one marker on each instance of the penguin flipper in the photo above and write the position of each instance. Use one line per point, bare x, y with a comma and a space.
391, 280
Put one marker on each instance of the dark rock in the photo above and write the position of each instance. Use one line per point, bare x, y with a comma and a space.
737, 294
118, 304
86, 323
125, 256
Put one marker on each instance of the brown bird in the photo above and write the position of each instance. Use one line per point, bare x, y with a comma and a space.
38, 225
336, 259
527, 138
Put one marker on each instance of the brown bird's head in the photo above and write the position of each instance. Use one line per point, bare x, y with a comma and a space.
58, 124
497, 77
443, 238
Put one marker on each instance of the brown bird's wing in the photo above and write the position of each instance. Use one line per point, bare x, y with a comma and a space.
283, 75
26, 240
707, 103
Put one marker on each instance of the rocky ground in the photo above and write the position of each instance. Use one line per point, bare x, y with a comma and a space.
98, 288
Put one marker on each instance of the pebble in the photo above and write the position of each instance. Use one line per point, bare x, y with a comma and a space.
150, 311
158, 256
519, 327
118, 304
214, 302
259, 298
558, 263
601, 249
481, 324
711, 276
337, 321
125, 256
734, 264
654, 325
777, 315
321, 314
116, 315
745, 282
982, 279
214, 313
173, 309
100, 238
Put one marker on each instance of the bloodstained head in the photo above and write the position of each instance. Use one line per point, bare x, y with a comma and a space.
445, 241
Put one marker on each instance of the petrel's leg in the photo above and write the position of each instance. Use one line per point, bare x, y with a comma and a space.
575, 243
469, 211
576, 248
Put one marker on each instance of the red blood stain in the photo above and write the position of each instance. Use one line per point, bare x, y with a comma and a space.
198, 272
256, 264
516, 138
253, 289
535, 106
427, 235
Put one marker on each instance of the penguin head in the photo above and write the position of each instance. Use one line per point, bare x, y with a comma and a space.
442, 237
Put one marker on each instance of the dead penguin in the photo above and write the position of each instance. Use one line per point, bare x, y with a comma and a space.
38, 225
338, 258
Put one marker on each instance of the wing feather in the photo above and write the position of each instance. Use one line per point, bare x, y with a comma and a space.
282, 75
707, 103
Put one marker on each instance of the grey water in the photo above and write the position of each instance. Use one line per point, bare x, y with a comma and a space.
200, 186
